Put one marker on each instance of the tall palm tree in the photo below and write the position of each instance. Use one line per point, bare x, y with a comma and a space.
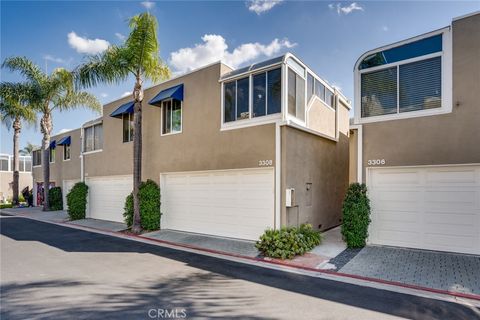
28, 149
15, 109
55, 91
137, 57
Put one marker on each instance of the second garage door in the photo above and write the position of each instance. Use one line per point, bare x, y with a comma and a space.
230, 203
106, 196
435, 208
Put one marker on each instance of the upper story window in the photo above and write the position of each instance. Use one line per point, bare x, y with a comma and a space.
315, 87
37, 157
171, 116
24, 163
296, 95
405, 80
127, 119
4, 163
93, 138
66, 152
51, 154
266, 96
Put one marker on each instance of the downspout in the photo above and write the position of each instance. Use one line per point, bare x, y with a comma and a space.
82, 169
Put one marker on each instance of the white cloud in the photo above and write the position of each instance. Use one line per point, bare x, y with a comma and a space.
126, 93
88, 46
261, 6
347, 9
120, 36
58, 60
385, 28
215, 48
63, 131
103, 94
148, 4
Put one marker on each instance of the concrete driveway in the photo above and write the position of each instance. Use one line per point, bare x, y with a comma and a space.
54, 272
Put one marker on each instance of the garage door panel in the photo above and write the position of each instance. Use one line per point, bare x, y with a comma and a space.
435, 208
234, 203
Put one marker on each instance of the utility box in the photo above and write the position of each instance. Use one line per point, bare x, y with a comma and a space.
290, 197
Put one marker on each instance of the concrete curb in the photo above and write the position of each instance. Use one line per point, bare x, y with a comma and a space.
263, 262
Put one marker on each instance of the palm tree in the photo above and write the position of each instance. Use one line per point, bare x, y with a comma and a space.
55, 91
137, 57
28, 149
15, 109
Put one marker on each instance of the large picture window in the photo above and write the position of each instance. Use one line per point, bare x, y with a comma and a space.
172, 116
266, 96
127, 119
93, 138
37, 157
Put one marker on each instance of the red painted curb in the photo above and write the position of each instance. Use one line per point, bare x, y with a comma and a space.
275, 262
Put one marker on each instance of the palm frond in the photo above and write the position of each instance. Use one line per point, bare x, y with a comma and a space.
26, 67
16, 102
76, 99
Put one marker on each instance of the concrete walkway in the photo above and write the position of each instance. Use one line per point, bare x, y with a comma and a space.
100, 224
230, 246
37, 213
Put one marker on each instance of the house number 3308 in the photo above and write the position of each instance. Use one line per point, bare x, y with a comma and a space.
376, 162
265, 163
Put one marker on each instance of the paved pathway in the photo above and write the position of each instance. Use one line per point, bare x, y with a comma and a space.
54, 272
438, 270
100, 224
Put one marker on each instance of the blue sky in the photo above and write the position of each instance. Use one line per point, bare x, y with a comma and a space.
327, 35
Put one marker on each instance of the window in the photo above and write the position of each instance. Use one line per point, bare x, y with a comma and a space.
296, 95
402, 86
66, 152
172, 116
3, 163
266, 96
127, 119
93, 138
28, 164
51, 154
329, 98
310, 86
319, 90
37, 157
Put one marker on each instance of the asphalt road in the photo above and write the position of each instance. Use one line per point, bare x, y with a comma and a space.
54, 272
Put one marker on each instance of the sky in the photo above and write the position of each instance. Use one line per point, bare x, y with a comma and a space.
328, 36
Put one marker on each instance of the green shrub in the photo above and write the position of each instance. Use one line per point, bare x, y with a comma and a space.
5, 206
287, 243
55, 198
77, 201
356, 216
149, 195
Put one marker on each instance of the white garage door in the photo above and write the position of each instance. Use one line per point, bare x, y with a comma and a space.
231, 203
67, 186
435, 208
106, 196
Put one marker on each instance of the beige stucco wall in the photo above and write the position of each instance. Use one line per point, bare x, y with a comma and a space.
321, 118
452, 138
63, 170
200, 146
308, 158
6, 178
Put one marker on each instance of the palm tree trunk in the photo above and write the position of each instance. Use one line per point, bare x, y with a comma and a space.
46, 128
17, 126
137, 155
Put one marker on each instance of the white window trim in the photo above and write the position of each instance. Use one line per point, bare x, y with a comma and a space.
446, 78
93, 151
161, 119
252, 121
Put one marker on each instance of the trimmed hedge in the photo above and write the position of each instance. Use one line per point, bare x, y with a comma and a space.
55, 199
149, 195
287, 243
6, 205
356, 216
77, 201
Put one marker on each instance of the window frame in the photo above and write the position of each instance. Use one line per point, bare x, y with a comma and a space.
446, 78
130, 129
93, 125
171, 118
40, 158
65, 147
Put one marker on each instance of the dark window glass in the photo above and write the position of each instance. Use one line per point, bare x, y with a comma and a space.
292, 102
310, 86
127, 127
37, 157
300, 91
52, 155
420, 85
259, 95
379, 92
243, 98
167, 116
329, 98
319, 90
407, 51
229, 101
176, 116
274, 91
66, 152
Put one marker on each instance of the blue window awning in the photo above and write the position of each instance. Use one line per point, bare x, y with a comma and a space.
170, 93
124, 108
65, 140
53, 144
